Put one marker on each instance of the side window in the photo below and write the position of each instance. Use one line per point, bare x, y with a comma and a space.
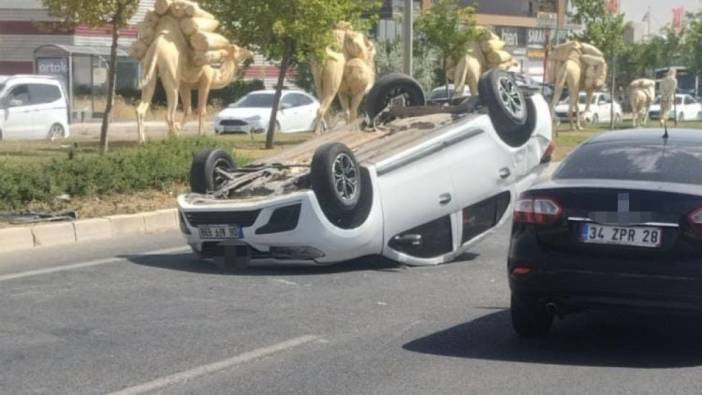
303, 100
43, 93
21, 93
288, 100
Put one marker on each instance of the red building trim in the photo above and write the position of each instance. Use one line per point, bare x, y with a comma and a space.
7, 67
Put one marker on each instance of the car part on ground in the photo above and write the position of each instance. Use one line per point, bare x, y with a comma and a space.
206, 172
391, 90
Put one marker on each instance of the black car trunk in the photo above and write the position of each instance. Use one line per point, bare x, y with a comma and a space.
624, 208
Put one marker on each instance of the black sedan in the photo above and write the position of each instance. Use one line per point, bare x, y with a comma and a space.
618, 226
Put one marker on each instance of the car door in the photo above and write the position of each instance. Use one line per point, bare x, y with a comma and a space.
298, 120
604, 108
308, 112
286, 114
418, 199
20, 120
49, 107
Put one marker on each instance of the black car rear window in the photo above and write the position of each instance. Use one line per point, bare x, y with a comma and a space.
657, 162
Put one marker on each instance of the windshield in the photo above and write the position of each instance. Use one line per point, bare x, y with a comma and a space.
678, 100
259, 100
676, 162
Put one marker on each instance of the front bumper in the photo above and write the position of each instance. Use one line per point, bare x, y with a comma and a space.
241, 126
312, 240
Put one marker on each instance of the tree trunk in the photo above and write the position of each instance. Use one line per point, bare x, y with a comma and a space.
111, 76
285, 62
611, 92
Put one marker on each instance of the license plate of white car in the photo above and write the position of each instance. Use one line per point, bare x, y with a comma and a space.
621, 235
220, 232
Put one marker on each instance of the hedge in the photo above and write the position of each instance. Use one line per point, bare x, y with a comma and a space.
155, 165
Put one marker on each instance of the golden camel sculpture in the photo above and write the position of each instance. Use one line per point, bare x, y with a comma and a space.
579, 66
177, 43
348, 71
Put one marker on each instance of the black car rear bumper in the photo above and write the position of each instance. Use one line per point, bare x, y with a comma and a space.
576, 289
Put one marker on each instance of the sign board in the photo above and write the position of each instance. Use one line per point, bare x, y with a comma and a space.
536, 38
52, 66
547, 20
514, 37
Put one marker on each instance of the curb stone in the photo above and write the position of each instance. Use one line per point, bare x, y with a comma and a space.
20, 238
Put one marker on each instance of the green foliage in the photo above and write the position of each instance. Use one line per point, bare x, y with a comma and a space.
603, 29
692, 45
268, 26
389, 60
449, 27
93, 12
155, 165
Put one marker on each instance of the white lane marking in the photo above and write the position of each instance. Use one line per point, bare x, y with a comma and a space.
284, 281
31, 273
203, 370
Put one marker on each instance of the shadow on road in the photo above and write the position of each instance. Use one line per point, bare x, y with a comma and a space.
594, 339
189, 263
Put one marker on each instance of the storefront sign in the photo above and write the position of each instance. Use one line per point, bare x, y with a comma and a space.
514, 37
52, 66
536, 38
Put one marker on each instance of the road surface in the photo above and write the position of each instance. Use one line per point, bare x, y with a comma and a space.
142, 315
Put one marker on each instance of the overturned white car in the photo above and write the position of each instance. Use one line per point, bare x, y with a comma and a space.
421, 188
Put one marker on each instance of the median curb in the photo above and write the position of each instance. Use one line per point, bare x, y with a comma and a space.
18, 238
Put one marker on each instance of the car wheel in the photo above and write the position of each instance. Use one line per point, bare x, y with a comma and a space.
393, 89
506, 103
529, 316
336, 179
205, 171
55, 131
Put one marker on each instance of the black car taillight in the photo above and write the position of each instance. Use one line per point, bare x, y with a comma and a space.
695, 219
537, 210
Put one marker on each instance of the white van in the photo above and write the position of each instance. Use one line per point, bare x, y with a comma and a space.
32, 107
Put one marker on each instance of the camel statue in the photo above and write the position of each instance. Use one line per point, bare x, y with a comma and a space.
579, 66
210, 78
348, 70
485, 53
177, 43
642, 92
669, 85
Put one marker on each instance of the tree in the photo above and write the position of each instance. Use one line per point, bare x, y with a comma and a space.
603, 29
98, 13
691, 45
292, 31
450, 28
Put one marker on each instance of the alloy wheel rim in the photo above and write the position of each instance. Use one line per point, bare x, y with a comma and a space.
345, 177
511, 97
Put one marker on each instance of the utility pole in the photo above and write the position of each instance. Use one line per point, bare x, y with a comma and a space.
408, 36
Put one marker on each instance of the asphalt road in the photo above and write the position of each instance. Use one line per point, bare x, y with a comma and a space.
140, 315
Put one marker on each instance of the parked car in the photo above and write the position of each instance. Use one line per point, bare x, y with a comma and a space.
687, 107
251, 114
619, 227
600, 109
438, 95
33, 107
419, 190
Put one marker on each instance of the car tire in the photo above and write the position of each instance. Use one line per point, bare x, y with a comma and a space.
336, 179
204, 177
506, 103
55, 131
393, 86
529, 316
